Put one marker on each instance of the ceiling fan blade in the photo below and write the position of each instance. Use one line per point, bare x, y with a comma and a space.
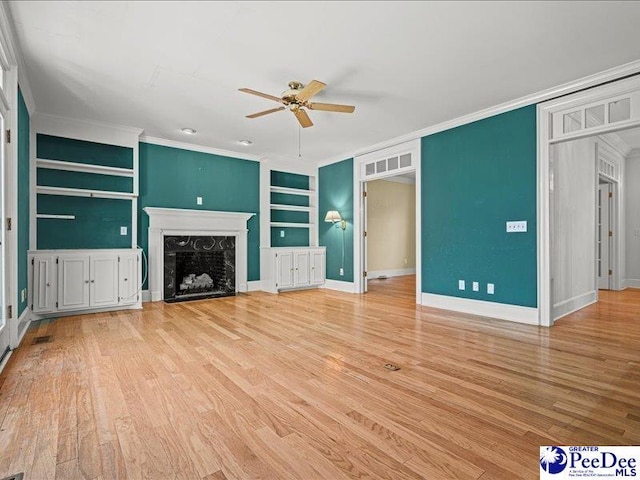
260, 94
310, 90
266, 112
303, 118
331, 107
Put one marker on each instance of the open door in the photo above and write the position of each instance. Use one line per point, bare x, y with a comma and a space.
5, 336
604, 235
365, 280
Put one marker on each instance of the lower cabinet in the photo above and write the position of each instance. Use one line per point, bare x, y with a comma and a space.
296, 267
64, 280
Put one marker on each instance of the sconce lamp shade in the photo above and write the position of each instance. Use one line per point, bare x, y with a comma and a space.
332, 216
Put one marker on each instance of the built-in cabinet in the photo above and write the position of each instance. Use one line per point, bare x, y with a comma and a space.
82, 280
290, 268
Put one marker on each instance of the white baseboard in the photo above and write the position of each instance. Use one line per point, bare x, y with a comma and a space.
397, 272
631, 283
339, 285
566, 307
146, 296
25, 318
5, 360
254, 286
502, 311
156, 296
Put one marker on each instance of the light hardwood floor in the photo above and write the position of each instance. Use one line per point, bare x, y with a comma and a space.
292, 386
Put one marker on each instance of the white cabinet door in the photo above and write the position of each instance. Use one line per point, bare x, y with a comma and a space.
103, 291
317, 262
128, 279
44, 284
284, 269
301, 262
73, 282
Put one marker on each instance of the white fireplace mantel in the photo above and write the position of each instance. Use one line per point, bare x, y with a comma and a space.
176, 221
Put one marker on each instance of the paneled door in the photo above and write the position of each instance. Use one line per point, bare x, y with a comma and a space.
284, 269
73, 282
301, 262
103, 281
605, 232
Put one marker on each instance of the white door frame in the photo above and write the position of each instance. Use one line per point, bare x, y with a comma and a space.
546, 138
413, 147
612, 215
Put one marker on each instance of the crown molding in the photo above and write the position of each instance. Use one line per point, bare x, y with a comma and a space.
16, 56
635, 153
616, 73
199, 148
616, 143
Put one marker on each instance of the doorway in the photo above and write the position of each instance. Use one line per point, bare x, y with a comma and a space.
604, 234
390, 230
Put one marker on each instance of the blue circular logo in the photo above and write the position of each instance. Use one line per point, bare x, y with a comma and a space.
553, 459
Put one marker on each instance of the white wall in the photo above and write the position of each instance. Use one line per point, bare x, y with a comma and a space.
573, 198
391, 228
632, 219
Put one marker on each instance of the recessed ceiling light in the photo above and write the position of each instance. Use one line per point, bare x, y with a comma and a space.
189, 131
245, 143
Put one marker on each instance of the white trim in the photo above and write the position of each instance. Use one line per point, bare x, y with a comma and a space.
631, 283
254, 286
25, 317
87, 130
502, 311
291, 208
199, 148
83, 167
589, 81
414, 147
339, 285
395, 272
82, 192
55, 217
291, 191
290, 225
35, 317
146, 296
545, 112
573, 304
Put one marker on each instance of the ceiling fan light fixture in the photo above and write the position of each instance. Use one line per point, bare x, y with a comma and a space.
189, 131
245, 143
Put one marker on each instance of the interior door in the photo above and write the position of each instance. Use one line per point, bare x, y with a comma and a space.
5, 337
604, 237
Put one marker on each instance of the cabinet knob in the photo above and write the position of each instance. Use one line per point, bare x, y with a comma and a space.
125, 279
93, 281
86, 281
48, 284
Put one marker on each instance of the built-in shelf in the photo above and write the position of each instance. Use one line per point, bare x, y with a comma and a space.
292, 208
81, 192
83, 167
290, 225
291, 191
55, 217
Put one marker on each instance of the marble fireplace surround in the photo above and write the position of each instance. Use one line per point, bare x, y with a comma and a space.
184, 222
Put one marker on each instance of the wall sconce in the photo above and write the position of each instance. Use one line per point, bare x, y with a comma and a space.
334, 217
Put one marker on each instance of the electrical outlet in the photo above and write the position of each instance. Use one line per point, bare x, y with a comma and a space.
281, 233
461, 285
341, 272
476, 286
23, 294
490, 288
517, 227
199, 200
123, 230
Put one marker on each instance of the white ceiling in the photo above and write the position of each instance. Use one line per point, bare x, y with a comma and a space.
405, 65
630, 137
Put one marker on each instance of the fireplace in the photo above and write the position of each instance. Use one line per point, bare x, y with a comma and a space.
197, 267
194, 224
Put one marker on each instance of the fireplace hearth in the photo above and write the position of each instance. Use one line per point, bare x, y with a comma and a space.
197, 267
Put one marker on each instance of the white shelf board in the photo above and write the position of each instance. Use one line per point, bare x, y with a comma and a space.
290, 225
80, 192
55, 216
83, 167
291, 191
292, 208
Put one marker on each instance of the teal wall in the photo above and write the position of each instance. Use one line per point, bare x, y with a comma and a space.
98, 220
23, 197
475, 178
173, 178
335, 192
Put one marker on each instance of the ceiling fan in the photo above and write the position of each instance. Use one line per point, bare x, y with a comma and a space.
297, 99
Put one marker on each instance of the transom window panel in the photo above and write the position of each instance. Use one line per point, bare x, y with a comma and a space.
382, 167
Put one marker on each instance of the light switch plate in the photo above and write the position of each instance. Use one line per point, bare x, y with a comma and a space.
490, 288
199, 200
123, 230
461, 285
476, 286
519, 226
